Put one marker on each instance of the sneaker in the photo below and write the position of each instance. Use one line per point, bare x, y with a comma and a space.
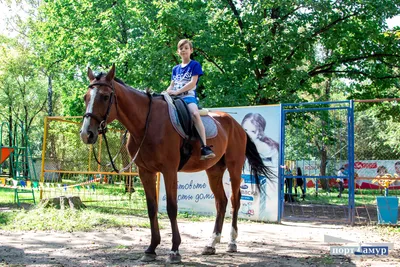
206, 153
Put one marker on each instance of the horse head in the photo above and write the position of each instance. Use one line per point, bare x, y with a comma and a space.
100, 101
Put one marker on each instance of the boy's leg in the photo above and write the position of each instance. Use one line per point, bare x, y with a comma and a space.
198, 123
206, 151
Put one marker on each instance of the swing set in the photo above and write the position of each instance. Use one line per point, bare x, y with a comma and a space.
16, 168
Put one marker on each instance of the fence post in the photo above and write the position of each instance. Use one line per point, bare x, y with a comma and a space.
281, 194
351, 161
43, 156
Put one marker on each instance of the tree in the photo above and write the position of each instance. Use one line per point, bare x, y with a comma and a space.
253, 52
22, 85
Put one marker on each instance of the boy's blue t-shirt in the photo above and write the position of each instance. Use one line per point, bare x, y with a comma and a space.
182, 76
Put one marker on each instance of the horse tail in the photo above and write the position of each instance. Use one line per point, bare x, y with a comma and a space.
257, 167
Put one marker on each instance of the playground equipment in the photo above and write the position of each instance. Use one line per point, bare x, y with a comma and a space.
69, 169
5, 153
16, 168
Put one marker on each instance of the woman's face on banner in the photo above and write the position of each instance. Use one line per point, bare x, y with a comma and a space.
250, 129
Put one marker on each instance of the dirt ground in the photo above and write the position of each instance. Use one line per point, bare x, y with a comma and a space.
259, 244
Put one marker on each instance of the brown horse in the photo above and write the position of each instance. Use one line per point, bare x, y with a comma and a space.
155, 144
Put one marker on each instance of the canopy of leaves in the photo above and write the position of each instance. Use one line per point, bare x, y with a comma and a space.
252, 52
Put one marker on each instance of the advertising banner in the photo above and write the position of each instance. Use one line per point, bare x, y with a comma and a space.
262, 123
364, 171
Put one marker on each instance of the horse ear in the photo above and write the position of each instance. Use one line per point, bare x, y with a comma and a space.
111, 74
90, 74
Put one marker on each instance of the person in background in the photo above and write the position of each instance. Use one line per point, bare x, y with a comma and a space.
299, 182
340, 181
289, 185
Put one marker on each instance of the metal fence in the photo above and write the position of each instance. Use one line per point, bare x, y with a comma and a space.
320, 138
376, 158
316, 140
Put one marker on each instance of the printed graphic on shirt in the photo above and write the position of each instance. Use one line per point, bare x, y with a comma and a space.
181, 79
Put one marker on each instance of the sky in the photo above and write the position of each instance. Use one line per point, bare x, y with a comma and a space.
395, 21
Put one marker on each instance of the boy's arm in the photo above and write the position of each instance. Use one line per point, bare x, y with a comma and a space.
188, 86
169, 88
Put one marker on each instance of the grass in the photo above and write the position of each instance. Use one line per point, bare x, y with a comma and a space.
7, 195
109, 206
6, 218
68, 220
388, 230
362, 197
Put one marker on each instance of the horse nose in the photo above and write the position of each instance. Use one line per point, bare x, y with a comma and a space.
86, 136
90, 135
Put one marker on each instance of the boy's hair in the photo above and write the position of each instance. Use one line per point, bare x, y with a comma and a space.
183, 42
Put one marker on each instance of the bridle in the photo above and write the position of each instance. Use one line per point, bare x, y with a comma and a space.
102, 121
103, 125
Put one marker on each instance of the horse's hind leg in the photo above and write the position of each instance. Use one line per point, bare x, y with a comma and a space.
215, 175
149, 184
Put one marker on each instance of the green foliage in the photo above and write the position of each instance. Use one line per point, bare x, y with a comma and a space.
253, 52
23, 87
317, 135
376, 124
6, 218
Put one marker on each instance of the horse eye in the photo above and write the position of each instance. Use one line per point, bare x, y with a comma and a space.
106, 97
84, 98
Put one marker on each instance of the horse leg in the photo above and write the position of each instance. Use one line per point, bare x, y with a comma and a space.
149, 184
171, 182
215, 175
234, 170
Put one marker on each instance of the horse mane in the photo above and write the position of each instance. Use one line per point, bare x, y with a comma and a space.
148, 91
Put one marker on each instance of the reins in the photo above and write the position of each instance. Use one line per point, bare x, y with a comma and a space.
144, 136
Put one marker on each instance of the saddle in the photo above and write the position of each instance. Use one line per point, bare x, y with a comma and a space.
182, 121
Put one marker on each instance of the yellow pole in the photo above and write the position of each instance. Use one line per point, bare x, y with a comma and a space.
43, 156
90, 153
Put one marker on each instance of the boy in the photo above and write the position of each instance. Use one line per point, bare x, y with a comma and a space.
185, 77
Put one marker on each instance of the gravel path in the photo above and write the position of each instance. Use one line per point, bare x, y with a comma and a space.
287, 244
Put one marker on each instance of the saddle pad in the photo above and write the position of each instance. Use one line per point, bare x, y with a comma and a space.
210, 124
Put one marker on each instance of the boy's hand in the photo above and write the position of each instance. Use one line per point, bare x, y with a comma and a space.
171, 92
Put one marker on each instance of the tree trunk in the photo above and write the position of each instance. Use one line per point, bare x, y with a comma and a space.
322, 169
62, 203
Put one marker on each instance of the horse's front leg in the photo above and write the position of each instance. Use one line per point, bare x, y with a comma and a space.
149, 184
171, 182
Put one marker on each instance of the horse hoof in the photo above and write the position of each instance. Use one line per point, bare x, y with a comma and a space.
232, 248
174, 257
208, 251
148, 257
